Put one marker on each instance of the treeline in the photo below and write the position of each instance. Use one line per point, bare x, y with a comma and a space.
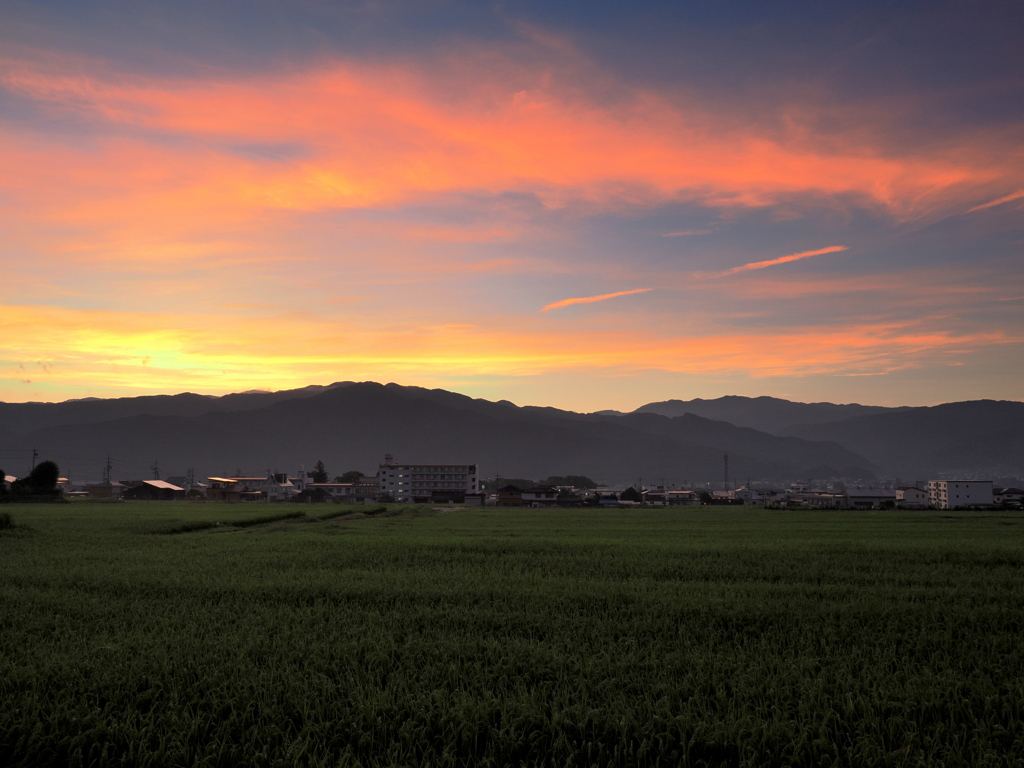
576, 481
40, 485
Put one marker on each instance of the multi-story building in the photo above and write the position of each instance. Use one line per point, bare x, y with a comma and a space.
427, 483
950, 494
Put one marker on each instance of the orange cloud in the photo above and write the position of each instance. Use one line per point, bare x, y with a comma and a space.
779, 260
376, 136
592, 299
242, 177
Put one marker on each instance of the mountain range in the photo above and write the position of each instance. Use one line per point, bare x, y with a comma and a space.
352, 425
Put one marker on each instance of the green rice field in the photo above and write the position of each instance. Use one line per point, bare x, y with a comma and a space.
193, 634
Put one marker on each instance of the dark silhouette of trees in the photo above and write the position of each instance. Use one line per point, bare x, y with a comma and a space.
40, 485
319, 473
576, 481
352, 476
631, 494
44, 477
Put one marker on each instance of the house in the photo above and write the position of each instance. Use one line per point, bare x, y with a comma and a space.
427, 483
682, 498
108, 489
192, 488
950, 494
154, 490
234, 488
277, 487
823, 500
655, 497
870, 498
540, 496
747, 495
510, 496
1008, 496
348, 493
911, 497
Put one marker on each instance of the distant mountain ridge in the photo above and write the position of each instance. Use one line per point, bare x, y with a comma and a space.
949, 439
768, 414
352, 425
953, 439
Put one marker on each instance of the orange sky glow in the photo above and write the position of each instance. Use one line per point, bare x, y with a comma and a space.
416, 217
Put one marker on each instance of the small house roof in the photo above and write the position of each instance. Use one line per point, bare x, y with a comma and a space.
866, 493
162, 484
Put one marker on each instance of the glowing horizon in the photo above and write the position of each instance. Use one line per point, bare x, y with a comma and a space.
259, 214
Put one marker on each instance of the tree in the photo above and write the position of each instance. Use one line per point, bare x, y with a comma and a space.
567, 498
44, 477
576, 481
630, 494
3, 484
352, 476
319, 473
706, 498
42, 482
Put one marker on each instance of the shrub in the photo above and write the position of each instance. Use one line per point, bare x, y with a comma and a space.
5, 521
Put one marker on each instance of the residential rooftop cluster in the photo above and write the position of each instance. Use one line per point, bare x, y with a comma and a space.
452, 483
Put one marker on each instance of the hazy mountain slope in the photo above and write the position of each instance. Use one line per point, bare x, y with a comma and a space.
353, 426
975, 436
768, 414
745, 440
19, 418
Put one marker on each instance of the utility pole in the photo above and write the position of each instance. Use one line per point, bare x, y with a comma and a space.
156, 469
35, 455
106, 472
726, 482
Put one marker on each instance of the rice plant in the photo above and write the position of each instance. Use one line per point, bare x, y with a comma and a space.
512, 637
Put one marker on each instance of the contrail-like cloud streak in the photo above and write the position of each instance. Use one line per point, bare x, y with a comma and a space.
780, 260
1013, 196
592, 299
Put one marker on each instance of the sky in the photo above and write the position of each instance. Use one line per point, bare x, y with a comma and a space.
586, 205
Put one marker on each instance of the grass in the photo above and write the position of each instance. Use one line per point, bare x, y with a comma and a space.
510, 637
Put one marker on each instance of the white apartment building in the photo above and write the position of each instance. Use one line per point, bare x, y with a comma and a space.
427, 483
950, 494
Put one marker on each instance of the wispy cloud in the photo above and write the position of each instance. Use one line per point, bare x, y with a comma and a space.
688, 232
592, 299
993, 203
773, 262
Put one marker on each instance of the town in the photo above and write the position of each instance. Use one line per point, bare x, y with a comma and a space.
462, 484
